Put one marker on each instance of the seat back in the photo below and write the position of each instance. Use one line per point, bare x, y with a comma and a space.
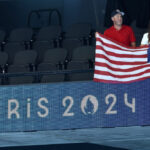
49, 33
20, 35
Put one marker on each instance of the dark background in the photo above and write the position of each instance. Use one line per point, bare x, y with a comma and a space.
14, 13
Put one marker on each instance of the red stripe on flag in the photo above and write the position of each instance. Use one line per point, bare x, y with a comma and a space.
120, 76
118, 48
121, 70
110, 81
118, 62
121, 55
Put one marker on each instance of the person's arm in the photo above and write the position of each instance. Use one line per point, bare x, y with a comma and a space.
144, 40
133, 44
132, 38
95, 34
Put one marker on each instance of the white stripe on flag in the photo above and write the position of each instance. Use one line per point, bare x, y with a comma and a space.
121, 72
120, 51
121, 59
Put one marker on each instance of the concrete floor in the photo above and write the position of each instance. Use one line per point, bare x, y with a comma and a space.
133, 138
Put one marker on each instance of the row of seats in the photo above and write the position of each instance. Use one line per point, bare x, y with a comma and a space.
48, 49
52, 34
55, 56
41, 47
51, 78
81, 52
46, 38
48, 33
53, 59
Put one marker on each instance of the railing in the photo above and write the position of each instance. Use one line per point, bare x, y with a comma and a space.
37, 12
38, 74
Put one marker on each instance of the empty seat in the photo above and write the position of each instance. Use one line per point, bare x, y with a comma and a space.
3, 58
2, 39
49, 33
53, 78
41, 47
84, 53
11, 49
76, 65
20, 80
3, 61
53, 59
48, 67
77, 35
79, 76
79, 30
71, 44
23, 62
25, 57
55, 55
20, 35
82, 60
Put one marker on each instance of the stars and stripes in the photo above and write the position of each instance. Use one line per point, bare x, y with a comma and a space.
115, 63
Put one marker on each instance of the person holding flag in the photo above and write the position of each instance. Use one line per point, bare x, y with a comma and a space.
119, 32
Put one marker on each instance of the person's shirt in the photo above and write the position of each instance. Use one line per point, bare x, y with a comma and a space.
145, 40
125, 35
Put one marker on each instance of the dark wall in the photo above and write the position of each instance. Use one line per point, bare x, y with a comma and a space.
14, 13
90, 11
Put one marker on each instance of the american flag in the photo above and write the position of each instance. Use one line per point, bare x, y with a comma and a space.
116, 63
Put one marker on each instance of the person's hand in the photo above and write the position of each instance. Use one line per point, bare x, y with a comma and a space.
95, 34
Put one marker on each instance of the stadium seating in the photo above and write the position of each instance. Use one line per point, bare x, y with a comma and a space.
3, 64
51, 34
20, 35
54, 57
76, 35
53, 60
3, 61
27, 50
52, 78
82, 59
47, 38
23, 62
81, 76
11, 49
79, 30
41, 47
84, 53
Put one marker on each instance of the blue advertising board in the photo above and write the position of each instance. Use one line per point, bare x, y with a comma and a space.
71, 105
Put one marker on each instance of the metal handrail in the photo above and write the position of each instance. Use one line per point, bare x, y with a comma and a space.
59, 16
30, 15
37, 12
38, 73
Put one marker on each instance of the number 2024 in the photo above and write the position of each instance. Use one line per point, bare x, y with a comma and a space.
111, 104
